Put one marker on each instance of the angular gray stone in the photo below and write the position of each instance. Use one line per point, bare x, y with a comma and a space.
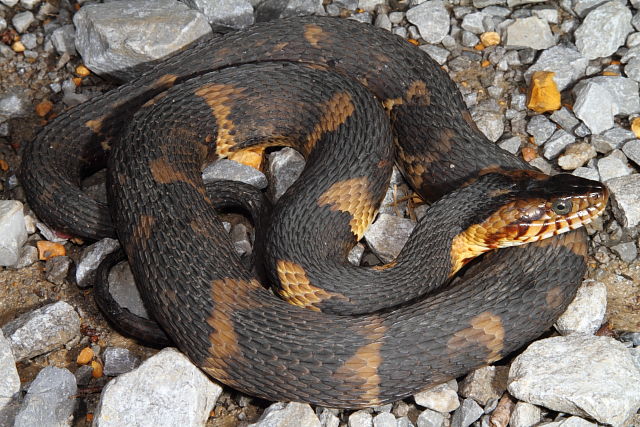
165, 390
21, 21
436, 53
91, 258
485, 384
28, 256
531, 32
225, 169
118, 38
235, 14
565, 119
625, 199
387, 235
613, 166
512, 144
576, 155
57, 268
122, 288
432, 20
558, 142
441, 398
473, 22
571, 422
567, 63
49, 400
9, 379
632, 69
626, 251
551, 373
490, 123
267, 10
525, 415
430, 418
360, 419
118, 361
328, 418
64, 39
585, 314
282, 414
632, 150
13, 104
466, 414
285, 167
240, 239
540, 128
383, 21
42, 330
623, 92
355, 254
595, 106
384, 419
588, 173
13, 233
603, 30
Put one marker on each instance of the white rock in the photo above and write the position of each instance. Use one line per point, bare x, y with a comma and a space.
595, 107
117, 38
531, 32
525, 415
165, 390
13, 233
623, 92
42, 330
9, 379
604, 30
432, 20
441, 398
567, 63
586, 313
581, 375
572, 422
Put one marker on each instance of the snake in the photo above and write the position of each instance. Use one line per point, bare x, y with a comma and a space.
154, 134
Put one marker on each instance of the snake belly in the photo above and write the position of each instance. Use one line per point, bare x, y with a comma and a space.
219, 314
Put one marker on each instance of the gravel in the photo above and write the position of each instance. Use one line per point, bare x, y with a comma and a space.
589, 137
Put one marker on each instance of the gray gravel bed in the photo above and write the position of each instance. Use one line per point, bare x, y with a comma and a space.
60, 364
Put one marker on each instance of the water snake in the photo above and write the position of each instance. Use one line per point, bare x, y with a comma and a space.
211, 306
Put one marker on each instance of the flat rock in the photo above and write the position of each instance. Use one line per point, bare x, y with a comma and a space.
432, 20
558, 142
120, 38
566, 62
223, 14
613, 166
441, 398
9, 379
288, 414
485, 384
91, 258
623, 92
595, 106
551, 373
586, 313
42, 330
540, 128
632, 150
13, 233
531, 32
430, 418
625, 199
387, 235
525, 415
122, 288
118, 361
225, 169
603, 30
165, 390
50, 399
285, 167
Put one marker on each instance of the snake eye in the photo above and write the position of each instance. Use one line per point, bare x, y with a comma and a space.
561, 207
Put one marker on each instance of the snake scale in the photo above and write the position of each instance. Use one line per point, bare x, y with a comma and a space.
216, 310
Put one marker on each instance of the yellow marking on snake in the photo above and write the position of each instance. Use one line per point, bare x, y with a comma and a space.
351, 196
416, 93
336, 111
219, 97
360, 371
296, 288
485, 329
96, 124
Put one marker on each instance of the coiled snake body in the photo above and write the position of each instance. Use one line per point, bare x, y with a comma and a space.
213, 308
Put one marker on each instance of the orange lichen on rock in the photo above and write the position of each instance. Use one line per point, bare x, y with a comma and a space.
543, 92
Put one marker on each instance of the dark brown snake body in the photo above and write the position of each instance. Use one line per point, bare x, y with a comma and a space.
212, 307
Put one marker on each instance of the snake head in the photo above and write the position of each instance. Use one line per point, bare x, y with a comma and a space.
524, 206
